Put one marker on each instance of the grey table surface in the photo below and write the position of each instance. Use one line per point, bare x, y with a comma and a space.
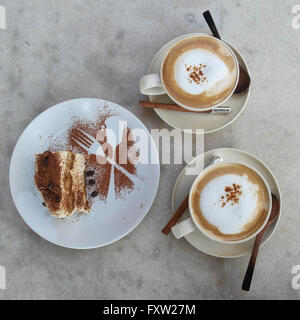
57, 50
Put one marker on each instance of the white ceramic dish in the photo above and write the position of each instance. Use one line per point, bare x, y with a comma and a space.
107, 222
197, 238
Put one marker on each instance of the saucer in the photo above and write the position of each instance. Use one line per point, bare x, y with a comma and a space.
197, 238
187, 120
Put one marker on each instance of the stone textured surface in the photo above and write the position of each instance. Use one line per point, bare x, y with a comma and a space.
56, 50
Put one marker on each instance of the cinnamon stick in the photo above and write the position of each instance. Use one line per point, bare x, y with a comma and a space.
176, 216
166, 106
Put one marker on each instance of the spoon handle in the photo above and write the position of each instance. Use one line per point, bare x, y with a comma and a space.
210, 21
249, 273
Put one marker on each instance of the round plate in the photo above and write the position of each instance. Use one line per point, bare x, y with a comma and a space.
107, 222
197, 238
187, 120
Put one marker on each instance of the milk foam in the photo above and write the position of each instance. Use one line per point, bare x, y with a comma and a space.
215, 71
229, 219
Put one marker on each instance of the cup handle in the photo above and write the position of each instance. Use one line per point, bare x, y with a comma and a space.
150, 85
183, 228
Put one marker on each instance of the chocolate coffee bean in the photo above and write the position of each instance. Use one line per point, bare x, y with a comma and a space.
90, 173
50, 185
95, 194
46, 161
92, 182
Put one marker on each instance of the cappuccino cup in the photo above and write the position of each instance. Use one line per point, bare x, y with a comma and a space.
229, 202
198, 72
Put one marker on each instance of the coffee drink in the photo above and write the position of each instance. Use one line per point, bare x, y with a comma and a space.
200, 72
230, 201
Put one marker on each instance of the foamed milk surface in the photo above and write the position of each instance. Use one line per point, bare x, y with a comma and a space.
229, 219
215, 70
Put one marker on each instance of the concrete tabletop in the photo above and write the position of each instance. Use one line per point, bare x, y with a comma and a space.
57, 50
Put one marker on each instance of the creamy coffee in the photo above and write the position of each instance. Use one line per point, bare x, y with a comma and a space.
199, 72
230, 202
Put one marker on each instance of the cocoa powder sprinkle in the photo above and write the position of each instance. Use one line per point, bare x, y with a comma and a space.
196, 73
99, 173
102, 173
232, 194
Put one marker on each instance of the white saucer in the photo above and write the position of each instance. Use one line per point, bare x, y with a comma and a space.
186, 120
107, 222
197, 238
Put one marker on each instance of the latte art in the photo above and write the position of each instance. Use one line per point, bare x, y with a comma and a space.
230, 201
232, 216
200, 72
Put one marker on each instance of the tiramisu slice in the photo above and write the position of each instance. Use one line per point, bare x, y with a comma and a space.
60, 178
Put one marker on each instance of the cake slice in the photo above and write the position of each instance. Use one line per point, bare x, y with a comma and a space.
60, 178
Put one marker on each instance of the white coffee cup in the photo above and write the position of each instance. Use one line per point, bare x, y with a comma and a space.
191, 224
152, 84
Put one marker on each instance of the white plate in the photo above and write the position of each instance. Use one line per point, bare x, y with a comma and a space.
197, 238
107, 222
187, 120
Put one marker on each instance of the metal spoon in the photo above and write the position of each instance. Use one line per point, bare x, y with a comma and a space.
244, 78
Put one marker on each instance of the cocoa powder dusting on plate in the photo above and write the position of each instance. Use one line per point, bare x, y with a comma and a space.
102, 173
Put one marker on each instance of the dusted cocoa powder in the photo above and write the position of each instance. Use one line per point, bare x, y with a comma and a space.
99, 175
